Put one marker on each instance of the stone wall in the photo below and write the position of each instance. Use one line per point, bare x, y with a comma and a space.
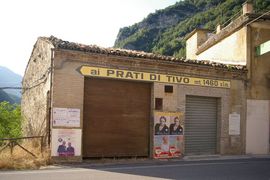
36, 87
231, 100
68, 88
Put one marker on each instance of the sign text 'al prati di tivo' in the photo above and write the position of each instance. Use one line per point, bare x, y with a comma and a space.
153, 77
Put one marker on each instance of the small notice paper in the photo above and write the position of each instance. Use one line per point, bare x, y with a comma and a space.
66, 117
234, 124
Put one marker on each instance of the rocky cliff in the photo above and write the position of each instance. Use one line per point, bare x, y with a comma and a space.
162, 32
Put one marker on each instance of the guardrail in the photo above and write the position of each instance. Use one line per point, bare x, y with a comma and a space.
13, 142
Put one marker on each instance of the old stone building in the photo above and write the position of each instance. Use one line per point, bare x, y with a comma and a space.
103, 102
113, 103
36, 93
244, 41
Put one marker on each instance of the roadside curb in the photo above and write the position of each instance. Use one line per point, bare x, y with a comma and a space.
222, 157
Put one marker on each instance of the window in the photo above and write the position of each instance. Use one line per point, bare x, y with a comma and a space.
168, 89
158, 103
263, 48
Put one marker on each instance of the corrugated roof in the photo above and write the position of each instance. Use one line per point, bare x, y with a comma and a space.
61, 44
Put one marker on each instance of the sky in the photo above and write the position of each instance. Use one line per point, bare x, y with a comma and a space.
83, 21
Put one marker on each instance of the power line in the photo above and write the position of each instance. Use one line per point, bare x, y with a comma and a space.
10, 82
258, 17
42, 80
10, 87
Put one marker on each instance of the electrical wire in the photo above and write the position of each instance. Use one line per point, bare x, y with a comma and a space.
44, 78
258, 17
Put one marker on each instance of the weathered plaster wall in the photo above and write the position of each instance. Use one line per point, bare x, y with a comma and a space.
36, 87
192, 44
231, 100
259, 73
257, 127
258, 118
191, 47
232, 49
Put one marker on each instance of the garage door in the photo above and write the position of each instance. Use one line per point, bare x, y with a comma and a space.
116, 118
201, 125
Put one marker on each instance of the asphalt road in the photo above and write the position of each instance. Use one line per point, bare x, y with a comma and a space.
253, 168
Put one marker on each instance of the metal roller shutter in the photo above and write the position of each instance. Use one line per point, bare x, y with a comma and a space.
116, 118
201, 125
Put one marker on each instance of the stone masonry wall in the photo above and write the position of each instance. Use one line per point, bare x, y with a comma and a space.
36, 87
231, 100
68, 87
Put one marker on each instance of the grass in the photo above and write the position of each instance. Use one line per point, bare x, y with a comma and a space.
20, 159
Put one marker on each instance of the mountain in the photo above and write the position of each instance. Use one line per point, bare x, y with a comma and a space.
5, 97
163, 32
10, 79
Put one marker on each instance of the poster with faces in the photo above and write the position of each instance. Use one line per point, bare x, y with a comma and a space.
168, 134
66, 142
162, 123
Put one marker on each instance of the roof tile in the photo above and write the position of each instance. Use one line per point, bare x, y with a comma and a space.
58, 43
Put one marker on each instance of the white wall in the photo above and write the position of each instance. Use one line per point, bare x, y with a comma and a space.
191, 47
232, 50
257, 135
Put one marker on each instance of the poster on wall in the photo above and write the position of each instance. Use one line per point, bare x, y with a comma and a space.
168, 138
66, 117
162, 147
168, 146
162, 123
66, 142
234, 124
176, 145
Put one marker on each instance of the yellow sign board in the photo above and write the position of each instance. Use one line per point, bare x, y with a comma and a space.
167, 113
152, 77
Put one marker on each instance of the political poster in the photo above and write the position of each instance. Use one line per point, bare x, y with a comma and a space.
162, 123
168, 146
66, 142
176, 145
176, 124
161, 146
169, 131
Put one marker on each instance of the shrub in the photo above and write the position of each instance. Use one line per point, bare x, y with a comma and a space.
10, 120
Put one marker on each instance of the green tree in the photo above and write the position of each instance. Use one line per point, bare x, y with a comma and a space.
10, 120
163, 32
